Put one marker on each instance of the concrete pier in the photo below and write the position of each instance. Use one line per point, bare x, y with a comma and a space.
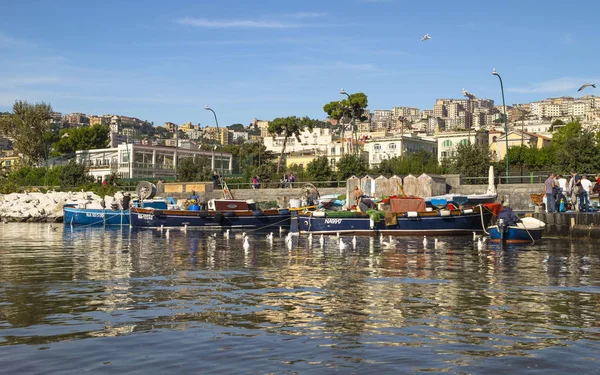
571, 224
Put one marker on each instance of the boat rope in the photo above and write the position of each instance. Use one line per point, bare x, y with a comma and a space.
270, 225
481, 216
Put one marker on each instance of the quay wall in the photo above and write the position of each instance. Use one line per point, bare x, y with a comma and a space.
583, 225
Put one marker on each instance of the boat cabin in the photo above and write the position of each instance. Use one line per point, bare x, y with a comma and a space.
231, 205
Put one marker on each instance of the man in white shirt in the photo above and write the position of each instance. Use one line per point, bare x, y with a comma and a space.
562, 182
562, 191
586, 185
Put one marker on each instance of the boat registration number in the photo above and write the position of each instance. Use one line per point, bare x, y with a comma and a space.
94, 214
333, 221
145, 216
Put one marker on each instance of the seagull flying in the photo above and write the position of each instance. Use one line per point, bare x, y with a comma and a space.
587, 85
468, 94
426, 37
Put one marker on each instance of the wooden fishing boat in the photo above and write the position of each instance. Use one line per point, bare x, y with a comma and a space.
406, 216
219, 214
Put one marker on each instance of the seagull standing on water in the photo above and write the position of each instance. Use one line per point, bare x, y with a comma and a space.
354, 242
587, 85
322, 240
425, 37
424, 241
479, 244
342, 244
246, 244
270, 238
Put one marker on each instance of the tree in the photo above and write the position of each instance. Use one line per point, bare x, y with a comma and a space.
343, 109
319, 169
24, 127
86, 138
74, 174
288, 127
471, 160
237, 127
350, 165
415, 163
194, 169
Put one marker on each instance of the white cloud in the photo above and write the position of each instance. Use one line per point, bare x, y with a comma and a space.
553, 85
32, 80
566, 38
9, 41
308, 14
203, 22
335, 65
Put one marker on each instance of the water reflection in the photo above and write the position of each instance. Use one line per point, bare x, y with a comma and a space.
465, 304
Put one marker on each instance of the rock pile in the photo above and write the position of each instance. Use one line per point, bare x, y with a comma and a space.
48, 207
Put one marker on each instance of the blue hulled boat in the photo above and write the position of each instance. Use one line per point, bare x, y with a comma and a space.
79, 215
407, 216
527, 231
219, 214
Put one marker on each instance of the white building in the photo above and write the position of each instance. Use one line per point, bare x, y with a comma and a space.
387, 148
448, 142
145, 161
317, 140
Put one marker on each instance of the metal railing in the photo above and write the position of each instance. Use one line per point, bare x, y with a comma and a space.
278, 185
537, 177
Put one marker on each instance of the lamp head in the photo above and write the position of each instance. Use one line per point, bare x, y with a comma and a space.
342, 91
207, 108
494, 72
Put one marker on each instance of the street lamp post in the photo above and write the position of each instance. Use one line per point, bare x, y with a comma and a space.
354, 130
494, 72
218, 136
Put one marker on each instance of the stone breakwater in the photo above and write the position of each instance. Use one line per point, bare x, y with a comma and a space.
48, 207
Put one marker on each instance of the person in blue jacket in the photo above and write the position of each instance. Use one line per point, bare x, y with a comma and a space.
508, 215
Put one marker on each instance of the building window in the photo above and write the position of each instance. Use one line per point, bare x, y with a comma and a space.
377, 147
463, 142
392, 146
447, 143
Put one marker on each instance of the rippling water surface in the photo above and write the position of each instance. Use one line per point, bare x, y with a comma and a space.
98, 301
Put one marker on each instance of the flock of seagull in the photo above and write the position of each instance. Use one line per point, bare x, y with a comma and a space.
388, 242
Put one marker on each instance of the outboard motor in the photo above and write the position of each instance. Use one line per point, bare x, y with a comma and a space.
502, 228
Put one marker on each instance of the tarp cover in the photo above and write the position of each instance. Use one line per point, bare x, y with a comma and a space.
407, 204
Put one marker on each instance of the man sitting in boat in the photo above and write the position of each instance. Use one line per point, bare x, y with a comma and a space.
508, 215
362, 202
313, 197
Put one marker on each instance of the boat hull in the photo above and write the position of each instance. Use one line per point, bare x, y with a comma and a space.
516, 234
427, 223
77, 216
211, 220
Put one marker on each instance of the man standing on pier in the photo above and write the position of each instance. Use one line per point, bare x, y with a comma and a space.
549, 184
576, 190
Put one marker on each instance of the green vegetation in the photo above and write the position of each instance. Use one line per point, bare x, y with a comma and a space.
194, 169
350, 165
86, 138
319, 170
416, 163
24, 126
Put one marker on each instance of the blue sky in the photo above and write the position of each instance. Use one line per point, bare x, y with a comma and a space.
164, 60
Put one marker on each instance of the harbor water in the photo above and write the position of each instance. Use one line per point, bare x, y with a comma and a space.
95, 301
